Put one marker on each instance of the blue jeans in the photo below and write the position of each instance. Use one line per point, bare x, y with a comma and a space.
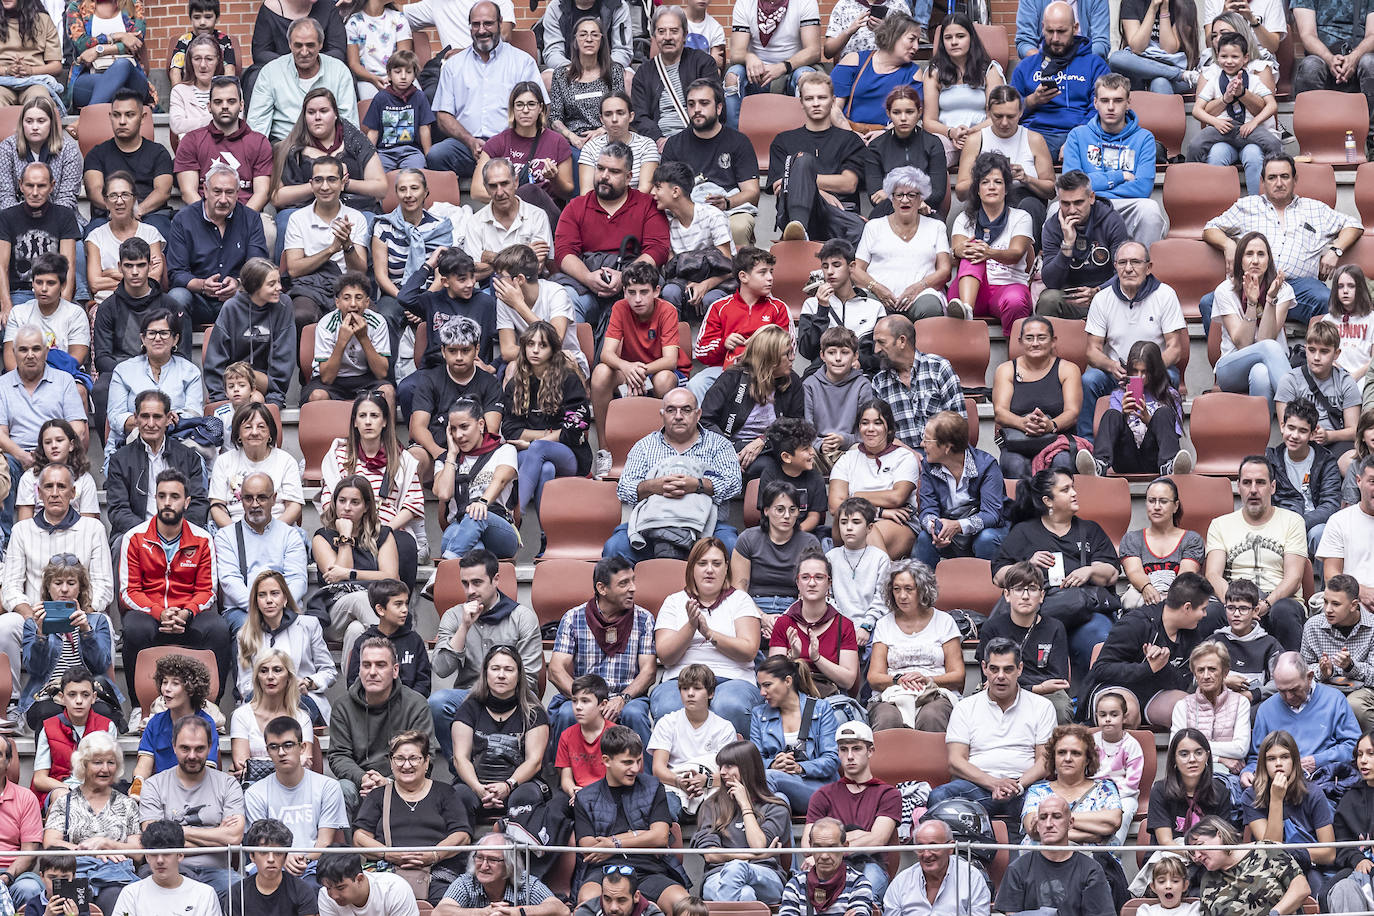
402, 157
920, 11
701, 381
1098, 384
97, 88
734, 98
1251, 157
876, 874
1255, 369
443, 705
235, 617
537, 465
962, 788
1082, 640
452, 155
1153, 72
618, 545
27, 888
493, 532
589, 309
635, 716
986, 545
737, 880
774, 604
733, 701
1311, 297
217, 878
796, 789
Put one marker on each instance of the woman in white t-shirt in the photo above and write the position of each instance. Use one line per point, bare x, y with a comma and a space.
904, 258
102, 245
479, 504
1252, 305
1351, 310
885, 474
917, 668
254, 434
709, 623
276, 692
993, 242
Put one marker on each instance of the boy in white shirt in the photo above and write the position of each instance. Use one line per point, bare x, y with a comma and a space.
1237, 111
64, 324
704, 32
691, 227
684, 743
166, 892
858, 595
352, 346
346, 890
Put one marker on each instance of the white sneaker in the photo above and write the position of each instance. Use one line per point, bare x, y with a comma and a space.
1085, 462
955, 308
1182, 463
601, 464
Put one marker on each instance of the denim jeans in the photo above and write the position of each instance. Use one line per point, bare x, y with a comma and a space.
986, 545
738, 880
1082, 640
618, 545
734, 97
98, 88
1159, 72
796, 789
1098, 384
1255, 369
733, 701
218, 878
1251, 158
635, 716
537, 465
443, 705
1311, 297
493, 532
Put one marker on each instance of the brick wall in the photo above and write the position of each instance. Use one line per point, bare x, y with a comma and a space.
167, 20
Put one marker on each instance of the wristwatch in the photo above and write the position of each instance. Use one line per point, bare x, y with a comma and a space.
701, 485
1340, 252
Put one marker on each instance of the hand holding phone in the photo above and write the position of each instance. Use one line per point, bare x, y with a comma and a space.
1135, 386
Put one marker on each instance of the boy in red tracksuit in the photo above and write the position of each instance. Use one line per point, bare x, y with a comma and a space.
730, 322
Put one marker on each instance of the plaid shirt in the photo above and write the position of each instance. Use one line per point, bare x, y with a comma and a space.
575, 638
1319, 638
470, 895
1299, 236
713, 449
934, 387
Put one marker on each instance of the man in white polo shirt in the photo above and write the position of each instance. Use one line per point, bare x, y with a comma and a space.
1134, 306
997, 738
321, 242
1347, 544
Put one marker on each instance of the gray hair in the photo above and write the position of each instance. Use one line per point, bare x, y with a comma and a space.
461, 331
31, 330
61, 466
927, 589
220, 167
907, 176
42, 165
305, 21
496, 839
95, 744
677, 11
496, 162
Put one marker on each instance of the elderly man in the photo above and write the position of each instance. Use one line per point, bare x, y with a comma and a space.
930, 889
492, 877
830, 887
130, 488
1317, 716
58, 529
282, 85
1266, 544
1053, 875
659, 107
127, 151
35, 226
471, 118
1134, 306
1338, 45
229, 140
915, 385
207, 803
1079, 243
256, 543
1057, 79
1307, 236
659, 465
209, 244
598, 224
507, 220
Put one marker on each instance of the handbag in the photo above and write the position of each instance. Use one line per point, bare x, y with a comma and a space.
417, 878
255, 769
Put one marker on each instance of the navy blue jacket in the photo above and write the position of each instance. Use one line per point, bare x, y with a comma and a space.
196, 249
989, 492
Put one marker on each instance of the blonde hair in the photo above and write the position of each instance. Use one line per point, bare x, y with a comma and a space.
291, 699
762, 358
251, 633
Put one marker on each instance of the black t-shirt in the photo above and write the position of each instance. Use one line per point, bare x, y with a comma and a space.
1084, 544
658, 813
836, 150
727, 158
147, 163
362, 559
1075, 887
498, 748
810, 486
357, 151
293, 897
1135, 10
433, 818
32, 235
436, 391
1044, 647
1173, 813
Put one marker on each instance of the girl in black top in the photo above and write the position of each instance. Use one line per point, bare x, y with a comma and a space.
1189, 790
906, 142
352, 548
764, 563
547, 413
1034, 396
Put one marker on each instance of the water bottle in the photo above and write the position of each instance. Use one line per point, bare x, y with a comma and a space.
1349, 146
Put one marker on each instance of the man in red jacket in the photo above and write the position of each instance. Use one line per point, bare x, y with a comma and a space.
167, 571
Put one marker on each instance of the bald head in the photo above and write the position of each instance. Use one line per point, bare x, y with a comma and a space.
1058, 27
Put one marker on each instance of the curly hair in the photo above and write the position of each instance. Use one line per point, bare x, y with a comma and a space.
927, 589
55, 570
194, 677
1091, 758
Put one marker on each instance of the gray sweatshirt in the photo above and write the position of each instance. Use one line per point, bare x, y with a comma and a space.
832, 406
519, 629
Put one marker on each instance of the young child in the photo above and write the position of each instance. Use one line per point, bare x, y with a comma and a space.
1253, 651
692, 226
789, 455
376, 32
642, 351
352, 346
705, 33
166, 892
1122, 760
834, 394
398, 119
578, 757
1297, 459
204, 16
838, 303
1351, 310
860, 569
684, 742
1328, 386
1043, 641
50, 869
183, 685
730, 322
1236, 110
1169, 882
242, 385
58, 735
390, 600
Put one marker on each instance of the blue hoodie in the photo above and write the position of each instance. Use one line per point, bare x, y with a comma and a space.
1073, 106
1095, 23
1106, 158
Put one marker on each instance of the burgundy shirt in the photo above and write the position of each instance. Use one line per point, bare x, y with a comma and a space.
248, 151
585, 226
857, 809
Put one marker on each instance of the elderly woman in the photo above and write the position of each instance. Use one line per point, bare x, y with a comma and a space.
189, 102
995, 245
904, 259
404, 239
1218, 711
159, 369
254, 434
1034, 396
96, 819
1071, 760
961, 495
494, 876
1253, 880
580, 85
957, 83
414, 810
917, 667
864, 79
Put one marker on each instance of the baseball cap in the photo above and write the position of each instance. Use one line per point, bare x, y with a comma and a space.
854, 731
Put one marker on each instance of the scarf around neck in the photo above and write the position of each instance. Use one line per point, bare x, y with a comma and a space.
985, 230
40, 519
489, 443
420, 240
611, 636
336, 144
770, 16
821, 894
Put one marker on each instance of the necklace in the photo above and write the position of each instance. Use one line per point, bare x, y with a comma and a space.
412, 805
853, 567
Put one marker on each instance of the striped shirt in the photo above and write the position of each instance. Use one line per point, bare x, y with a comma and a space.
398, 246
856, 896
403, 490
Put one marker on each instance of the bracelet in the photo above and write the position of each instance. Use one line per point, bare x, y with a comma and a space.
749, 813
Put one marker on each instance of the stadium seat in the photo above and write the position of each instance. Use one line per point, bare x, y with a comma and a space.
9, 119
305, 351
1002, 860
966, 583
795, 261
6, 680
1149, 766
656, 579
1070, 340
1364, 192
627, 421
964, 343
1225, 428
449, 591
321, 422
273, 409
93, 126
524, 40
1317, 180
904, 754
1195, 192
1283, 88
443, 186
1191, 266
145, 688
424, 907
1362, 254
1214, 344
577, 515
971, 415
752, 515
1321, 120
586, 342
424, 50
762, 117
1163, 116
558, 586
363, 106
1107, 501
737, 908
1203, 499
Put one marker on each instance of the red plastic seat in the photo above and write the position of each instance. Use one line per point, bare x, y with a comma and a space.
1317, 180
1070, 340
966, 582
765, 115
1164, 116
1203, 498
1191, 266
656, 579
1321, 120
1226, 427
558, 586
1195, 192
93, 126
449, 591
964, 343
578, 516
1107, 501
145, 688
627, 421
321, 422
795, 261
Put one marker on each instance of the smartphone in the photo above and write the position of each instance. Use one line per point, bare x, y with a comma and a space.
77, 890
57, 617
1049, 84
1055, 574
878, 12
1136, 386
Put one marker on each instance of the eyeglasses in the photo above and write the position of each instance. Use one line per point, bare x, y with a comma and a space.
64, 559
528, 106
784, 510
1240, 607
905, 195
1025, 590
1198, 754
325, 179
283, 746
406, 761
155, 333
119, 195
488, 859
813, 577
1131, 262
679, 411
626, 870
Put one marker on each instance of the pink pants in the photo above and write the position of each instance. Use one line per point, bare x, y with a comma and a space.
1006, 302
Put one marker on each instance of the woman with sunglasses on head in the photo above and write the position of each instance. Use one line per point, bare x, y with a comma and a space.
276, 692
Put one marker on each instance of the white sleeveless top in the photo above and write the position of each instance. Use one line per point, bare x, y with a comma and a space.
1016, 148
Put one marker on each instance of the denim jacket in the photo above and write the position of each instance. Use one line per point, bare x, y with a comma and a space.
41, 655
822, 756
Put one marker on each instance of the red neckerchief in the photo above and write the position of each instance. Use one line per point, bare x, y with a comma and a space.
338, 139
376, 463
408, 94
489, 443
878, 458
822, 894
720, 599
611, 636
770, 16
